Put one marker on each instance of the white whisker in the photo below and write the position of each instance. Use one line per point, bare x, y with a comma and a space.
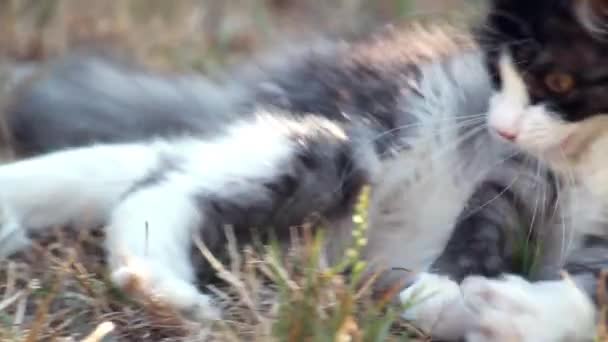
565, 234
536, 202
509, 186
467, 119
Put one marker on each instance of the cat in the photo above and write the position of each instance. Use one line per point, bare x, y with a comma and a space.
160, 158
547, 62
263, 147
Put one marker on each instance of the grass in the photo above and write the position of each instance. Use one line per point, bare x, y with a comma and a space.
191, 34
268, 294
318, 303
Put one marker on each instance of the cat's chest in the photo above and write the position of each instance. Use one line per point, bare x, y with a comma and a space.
584, 205
590, 171
584, 189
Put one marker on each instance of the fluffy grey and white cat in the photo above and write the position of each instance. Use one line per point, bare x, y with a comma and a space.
547, 62
461, 173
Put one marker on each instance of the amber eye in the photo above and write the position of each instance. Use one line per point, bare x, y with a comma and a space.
559, 82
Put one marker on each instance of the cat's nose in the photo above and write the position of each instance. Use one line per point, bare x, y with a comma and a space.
507, 135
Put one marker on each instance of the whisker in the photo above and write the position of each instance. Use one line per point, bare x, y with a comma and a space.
476, 125
566, 245
465, 119
536, 202
507, 188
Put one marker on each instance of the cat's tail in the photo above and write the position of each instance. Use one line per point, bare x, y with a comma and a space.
85, 99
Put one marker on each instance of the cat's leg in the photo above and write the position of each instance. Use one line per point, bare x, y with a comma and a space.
501, 309
434, 303
504, 309
434, 298
480, 244
476, 246
77, 186
263, 172
149, 242
548, 310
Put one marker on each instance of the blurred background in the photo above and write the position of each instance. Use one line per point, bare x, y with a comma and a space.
198, 34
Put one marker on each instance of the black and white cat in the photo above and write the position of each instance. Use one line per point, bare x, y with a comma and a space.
160, 159
548, 62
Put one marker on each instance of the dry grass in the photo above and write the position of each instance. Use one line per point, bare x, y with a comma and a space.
191, 33
59, 291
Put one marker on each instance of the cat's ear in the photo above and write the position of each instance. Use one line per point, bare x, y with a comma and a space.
592, 15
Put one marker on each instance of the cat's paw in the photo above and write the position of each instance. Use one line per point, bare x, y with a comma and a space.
164, 289
435, 305
513, 309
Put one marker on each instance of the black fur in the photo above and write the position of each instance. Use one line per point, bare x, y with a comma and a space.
102, 100
546, 37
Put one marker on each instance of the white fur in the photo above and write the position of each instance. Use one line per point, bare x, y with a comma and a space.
248, 151
513, 309
536, 129
409, 184
435, 305
150, 230
421, 191
516, 309
575, 150
509, 309
507, 106
78, 186
546, 311
567, 146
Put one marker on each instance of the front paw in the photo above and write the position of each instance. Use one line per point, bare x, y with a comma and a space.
435, 305
513, 309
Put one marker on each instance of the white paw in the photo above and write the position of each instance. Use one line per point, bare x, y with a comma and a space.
166, 289
435, 305
513, 309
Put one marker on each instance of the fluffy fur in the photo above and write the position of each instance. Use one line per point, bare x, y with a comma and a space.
399, 121
160, 159
550, 104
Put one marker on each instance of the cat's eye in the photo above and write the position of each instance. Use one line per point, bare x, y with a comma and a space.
559, 82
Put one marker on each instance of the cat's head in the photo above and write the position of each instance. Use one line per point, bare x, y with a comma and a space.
549, 62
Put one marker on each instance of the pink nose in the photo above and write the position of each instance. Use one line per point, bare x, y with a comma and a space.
507, 135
